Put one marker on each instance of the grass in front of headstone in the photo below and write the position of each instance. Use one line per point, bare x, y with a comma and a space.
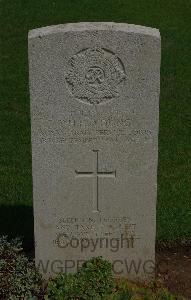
19, 279
95, 281
172, 17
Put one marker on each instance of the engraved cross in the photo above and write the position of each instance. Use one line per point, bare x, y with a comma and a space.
95, 174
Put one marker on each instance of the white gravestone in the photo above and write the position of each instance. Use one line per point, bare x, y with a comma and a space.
94, 115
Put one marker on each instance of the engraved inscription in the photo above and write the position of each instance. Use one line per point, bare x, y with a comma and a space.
96, 226
96, 233
96, 174
94, 75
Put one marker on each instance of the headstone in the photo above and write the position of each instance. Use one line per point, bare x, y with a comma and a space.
94, 114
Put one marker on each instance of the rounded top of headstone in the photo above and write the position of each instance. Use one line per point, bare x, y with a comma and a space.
91, 26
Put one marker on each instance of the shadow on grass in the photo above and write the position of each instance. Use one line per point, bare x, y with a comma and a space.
17, 221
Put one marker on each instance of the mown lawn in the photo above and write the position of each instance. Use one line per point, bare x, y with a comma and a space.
172, 17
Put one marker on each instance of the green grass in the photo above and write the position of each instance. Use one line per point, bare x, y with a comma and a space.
172, 17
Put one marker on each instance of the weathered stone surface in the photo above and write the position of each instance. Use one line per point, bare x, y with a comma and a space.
94, 115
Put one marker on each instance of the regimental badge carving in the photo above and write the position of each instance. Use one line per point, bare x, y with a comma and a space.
94, 75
